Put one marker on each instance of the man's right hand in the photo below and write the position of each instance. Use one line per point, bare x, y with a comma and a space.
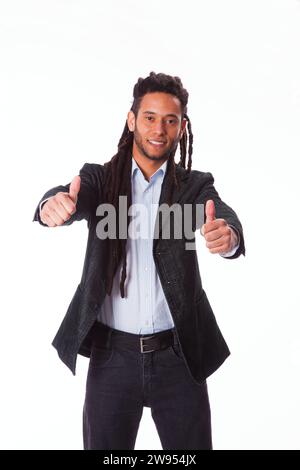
59, 208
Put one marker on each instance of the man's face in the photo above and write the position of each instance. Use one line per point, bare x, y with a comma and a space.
158, 126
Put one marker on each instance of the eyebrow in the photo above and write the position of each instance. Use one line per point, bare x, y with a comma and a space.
152, 112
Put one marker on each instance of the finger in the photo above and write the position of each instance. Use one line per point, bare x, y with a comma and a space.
210, 211
214, 225
60, 210
211, 235
56, 218
74, 188
68, 204
215, 235
48, 221
220, 249
216, 243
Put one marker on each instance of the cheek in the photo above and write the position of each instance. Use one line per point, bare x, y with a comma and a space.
142, 130
175, 135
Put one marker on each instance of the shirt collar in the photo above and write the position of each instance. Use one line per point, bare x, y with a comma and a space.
162, 169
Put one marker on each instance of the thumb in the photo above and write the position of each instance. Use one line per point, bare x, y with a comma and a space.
74, 188
210, 211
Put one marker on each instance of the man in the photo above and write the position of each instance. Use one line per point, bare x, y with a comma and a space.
140, 312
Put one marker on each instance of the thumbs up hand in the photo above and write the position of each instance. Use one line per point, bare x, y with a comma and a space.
220, 238
59, 208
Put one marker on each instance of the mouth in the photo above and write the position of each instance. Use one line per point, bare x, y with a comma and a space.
157, 143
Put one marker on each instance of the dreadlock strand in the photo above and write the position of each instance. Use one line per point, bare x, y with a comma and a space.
182, 143
190, 151
124, 274
127, 191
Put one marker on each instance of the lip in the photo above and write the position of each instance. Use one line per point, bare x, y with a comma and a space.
157, 143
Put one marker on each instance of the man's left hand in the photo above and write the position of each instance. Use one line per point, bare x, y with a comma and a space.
219, 237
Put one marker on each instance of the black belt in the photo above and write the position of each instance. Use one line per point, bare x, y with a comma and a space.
104, 336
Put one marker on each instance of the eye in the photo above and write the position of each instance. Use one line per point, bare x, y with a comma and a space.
172, 121
149, 118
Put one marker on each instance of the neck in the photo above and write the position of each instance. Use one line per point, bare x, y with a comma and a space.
147, 166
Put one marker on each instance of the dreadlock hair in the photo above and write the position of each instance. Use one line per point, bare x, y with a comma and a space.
118, 179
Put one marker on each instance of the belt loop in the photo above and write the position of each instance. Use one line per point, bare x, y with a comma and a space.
175, 337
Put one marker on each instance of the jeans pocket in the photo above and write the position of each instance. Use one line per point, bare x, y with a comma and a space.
100, 357
176, 350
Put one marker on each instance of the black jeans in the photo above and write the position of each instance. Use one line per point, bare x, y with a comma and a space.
121, 382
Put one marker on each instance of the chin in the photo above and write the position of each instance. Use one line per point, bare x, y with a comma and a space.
156, 157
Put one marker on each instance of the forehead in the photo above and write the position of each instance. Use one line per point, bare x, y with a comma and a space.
160, 103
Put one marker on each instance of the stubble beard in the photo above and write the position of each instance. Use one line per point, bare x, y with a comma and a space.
158, 158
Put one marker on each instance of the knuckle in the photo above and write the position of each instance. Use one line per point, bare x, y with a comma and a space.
64, 197
60, 196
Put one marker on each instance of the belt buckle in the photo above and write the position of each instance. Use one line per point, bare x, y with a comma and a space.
143, 345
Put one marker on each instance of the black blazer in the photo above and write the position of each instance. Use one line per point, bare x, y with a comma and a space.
203, 346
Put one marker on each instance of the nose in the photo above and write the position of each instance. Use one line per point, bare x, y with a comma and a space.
159, 127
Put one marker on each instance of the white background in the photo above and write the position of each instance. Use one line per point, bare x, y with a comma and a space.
67, 73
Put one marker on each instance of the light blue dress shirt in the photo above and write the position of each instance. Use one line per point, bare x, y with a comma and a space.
144, 310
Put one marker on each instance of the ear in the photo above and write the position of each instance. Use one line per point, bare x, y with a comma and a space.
131, 121
183, 126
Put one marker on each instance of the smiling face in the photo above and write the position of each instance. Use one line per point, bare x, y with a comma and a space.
157, 128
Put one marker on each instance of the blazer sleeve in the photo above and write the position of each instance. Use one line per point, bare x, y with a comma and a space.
89, 195
208, 191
